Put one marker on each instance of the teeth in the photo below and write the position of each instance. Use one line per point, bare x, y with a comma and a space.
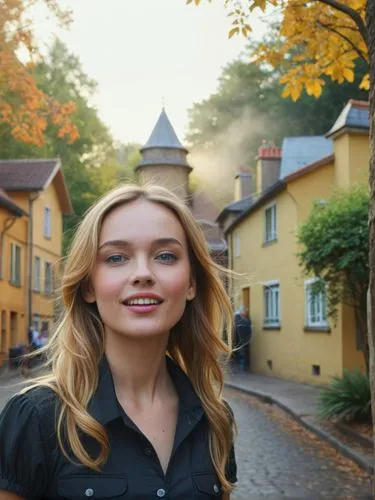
142, 302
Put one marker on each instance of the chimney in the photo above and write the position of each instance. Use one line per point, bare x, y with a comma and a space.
268, 166
243, 185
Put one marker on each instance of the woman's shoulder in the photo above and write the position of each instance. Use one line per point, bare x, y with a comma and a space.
41, 401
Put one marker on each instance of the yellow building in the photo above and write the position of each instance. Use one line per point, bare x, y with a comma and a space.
34, 200
292, 337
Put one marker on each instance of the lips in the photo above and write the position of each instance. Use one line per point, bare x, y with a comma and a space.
143, 300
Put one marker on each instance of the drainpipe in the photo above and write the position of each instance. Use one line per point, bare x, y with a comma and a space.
8, 223
30, 260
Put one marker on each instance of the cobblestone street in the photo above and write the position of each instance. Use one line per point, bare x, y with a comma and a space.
278, 459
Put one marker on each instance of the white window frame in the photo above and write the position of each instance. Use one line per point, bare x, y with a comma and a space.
47, 222
48, 279
316, 316
271, 300
270, 234
37, 273
15, 270
237, 245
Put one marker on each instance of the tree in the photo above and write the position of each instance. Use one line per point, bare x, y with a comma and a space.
227, 128
24, 107
90, 164
334, 243
325, 38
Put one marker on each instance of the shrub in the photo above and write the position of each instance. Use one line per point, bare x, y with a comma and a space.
346, 398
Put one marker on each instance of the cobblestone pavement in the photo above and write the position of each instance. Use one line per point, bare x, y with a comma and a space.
278, 459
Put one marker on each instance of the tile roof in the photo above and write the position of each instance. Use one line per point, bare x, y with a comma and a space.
26, 175
9, 204
355, 115
236, 207
297, 152
163, 135
35, 175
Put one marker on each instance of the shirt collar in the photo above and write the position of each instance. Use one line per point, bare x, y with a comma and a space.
104, 406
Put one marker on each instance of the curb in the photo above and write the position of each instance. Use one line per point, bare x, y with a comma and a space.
341, 447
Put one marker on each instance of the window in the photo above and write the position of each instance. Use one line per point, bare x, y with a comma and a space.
316, 304
270, 223
237, 245
272, 304
15, 264
48, 278
47, 223
37, 269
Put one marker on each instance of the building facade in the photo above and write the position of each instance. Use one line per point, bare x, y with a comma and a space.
292, 336
30, 245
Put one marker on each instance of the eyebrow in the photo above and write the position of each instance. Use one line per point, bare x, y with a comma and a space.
125, 243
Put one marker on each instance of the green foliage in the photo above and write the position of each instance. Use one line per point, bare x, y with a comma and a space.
347, 397
92, 164
335, 246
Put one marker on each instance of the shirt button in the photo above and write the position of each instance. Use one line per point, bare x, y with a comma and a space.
216, 488
89, 492
160, 493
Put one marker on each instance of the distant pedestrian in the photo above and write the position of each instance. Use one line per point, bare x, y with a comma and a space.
243, 332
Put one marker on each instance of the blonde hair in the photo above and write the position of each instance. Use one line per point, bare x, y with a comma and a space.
195, 343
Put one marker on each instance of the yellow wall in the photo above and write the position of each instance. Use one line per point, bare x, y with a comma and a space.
13, 312
15, 299
291, 349
352, 155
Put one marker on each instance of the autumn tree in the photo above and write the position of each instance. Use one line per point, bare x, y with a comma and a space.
24, 107
325, 38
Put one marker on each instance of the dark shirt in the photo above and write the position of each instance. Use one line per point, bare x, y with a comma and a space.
33, 466
243, 330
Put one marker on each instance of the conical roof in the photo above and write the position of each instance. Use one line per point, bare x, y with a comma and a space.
163, 135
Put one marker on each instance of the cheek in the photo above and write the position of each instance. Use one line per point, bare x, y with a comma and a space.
178, 284
106, 284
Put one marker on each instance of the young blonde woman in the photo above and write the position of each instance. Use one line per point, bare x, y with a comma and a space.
132, 407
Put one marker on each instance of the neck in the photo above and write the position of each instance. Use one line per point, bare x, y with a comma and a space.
138, 368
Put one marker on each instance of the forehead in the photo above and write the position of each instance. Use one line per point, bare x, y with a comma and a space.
141, 221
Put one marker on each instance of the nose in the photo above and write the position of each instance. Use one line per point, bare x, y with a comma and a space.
143, 274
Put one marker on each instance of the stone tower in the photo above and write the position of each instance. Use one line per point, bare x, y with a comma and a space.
164, 159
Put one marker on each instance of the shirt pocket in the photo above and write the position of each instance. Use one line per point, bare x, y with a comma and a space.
207, 485
79, 487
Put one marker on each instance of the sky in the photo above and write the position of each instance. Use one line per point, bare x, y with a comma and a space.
146, 52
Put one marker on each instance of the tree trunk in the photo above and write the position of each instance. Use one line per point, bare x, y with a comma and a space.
370, 21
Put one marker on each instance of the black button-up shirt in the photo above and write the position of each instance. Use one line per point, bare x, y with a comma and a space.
33, 466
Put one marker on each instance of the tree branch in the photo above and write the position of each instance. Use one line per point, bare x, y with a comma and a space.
344, 37
353, 14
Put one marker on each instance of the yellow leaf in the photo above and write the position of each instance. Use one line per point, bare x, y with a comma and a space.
233, 31
365, 83
295, 93
349, 74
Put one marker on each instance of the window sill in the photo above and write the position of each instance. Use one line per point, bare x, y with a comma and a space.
37, 292
47, 237
270, 242
317, 329
272, 327
16, 285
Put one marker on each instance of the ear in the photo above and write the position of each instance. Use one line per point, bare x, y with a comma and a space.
88, 292
192, 290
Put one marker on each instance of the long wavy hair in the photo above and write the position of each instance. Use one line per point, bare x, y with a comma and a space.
196, 342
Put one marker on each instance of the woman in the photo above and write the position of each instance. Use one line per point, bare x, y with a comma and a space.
132, 406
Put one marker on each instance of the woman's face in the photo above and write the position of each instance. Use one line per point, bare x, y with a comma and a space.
142, 277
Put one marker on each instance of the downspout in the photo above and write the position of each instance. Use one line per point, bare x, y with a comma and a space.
30, 260
8, 223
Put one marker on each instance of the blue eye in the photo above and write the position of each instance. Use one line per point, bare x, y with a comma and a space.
166, 257
116, 259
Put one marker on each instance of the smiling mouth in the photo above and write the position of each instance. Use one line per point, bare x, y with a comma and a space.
142, 302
